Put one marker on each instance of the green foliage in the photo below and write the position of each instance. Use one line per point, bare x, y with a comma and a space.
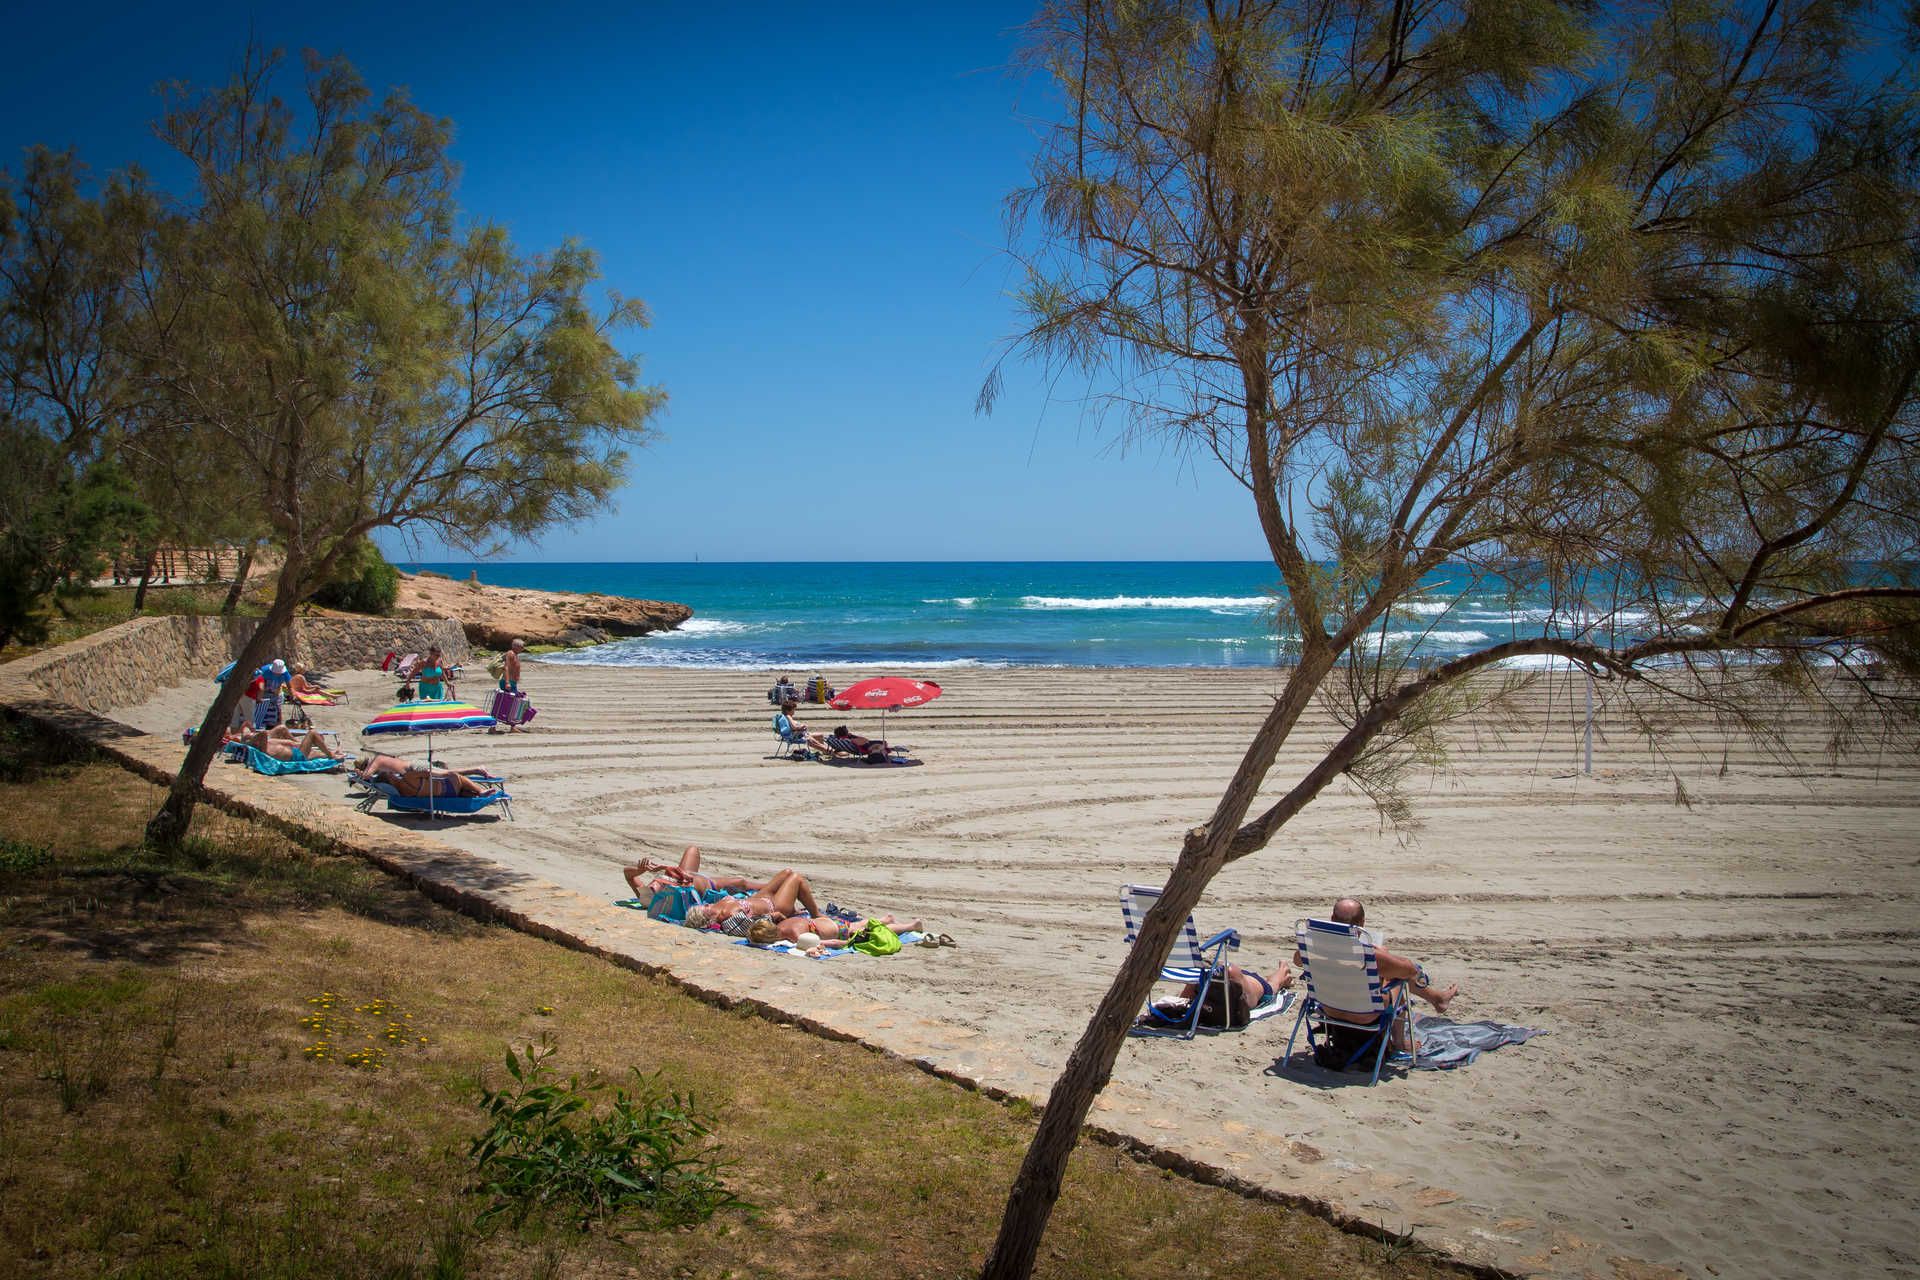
1615, 306
550, 1147
20, 855
362, 581
57, 525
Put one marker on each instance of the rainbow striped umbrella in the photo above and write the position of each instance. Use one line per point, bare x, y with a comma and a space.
429, 716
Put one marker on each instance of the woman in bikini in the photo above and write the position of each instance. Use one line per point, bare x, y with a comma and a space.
828, 934
687, 872
774, 900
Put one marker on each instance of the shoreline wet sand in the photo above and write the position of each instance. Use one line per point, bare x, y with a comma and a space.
1728, 982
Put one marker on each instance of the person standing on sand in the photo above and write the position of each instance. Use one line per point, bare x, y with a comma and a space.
431, 679
510, 668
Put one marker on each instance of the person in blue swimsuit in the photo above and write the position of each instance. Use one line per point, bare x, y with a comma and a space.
431, 678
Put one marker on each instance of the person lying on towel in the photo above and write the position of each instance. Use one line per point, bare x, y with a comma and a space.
280, 743
774, 901
647, 877
854, 745
311, 694
817, 937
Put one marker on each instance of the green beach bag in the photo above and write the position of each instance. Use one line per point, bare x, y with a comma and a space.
875, 939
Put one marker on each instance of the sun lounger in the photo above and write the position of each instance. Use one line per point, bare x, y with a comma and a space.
431, 806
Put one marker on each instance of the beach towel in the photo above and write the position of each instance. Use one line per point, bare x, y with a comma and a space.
907, 939
261, 762
1446, 1044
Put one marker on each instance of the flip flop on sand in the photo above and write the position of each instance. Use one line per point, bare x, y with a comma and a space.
944, 940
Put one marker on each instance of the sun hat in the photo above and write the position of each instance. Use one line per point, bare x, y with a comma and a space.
279, 665
807, 941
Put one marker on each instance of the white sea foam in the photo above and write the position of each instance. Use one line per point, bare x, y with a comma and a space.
1440, 637
964, 602
710, 627
721, 660
1536, 662
1238, 604
1427, 608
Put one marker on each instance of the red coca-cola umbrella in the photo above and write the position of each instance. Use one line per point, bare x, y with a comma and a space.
884, 694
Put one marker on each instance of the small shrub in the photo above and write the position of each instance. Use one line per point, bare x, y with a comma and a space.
363, 582
19, 855
549, 1148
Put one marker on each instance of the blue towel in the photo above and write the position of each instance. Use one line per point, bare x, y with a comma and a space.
264, 763
1445, 1044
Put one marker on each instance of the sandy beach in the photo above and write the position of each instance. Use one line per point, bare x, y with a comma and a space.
1729, 984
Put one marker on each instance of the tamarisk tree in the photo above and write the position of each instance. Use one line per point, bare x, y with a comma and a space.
1612, 306
319, 335
66, 390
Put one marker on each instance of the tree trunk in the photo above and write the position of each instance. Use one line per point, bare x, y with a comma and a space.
169, 826
1037, 1186
240, 569
146, 575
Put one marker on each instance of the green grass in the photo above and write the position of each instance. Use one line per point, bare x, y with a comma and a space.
164, 1114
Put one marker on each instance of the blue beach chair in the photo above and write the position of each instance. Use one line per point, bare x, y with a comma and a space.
1338, 965
430, 806
793, 745
1205, 962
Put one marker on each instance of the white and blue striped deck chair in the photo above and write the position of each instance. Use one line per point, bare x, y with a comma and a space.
1338, 965
1191, 962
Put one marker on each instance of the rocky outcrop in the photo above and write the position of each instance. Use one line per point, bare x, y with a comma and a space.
496, 616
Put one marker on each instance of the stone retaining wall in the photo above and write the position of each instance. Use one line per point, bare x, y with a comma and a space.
123, 665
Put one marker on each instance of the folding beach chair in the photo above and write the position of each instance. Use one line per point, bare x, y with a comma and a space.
793, 746
1338, 965
1204, 962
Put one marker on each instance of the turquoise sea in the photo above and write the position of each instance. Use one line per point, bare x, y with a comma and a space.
927, 616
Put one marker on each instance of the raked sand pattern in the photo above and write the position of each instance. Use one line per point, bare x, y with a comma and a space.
1730, 987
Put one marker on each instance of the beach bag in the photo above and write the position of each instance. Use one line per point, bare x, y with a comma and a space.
497, 666
671, 905
876, 753
875, 939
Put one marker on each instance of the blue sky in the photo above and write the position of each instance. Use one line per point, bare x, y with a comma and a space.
809, 200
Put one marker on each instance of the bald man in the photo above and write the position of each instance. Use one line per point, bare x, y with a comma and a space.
1392, 968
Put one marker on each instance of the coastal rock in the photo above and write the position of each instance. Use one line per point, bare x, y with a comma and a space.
493, 617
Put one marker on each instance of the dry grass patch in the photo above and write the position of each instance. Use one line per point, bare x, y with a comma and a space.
165, 1113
